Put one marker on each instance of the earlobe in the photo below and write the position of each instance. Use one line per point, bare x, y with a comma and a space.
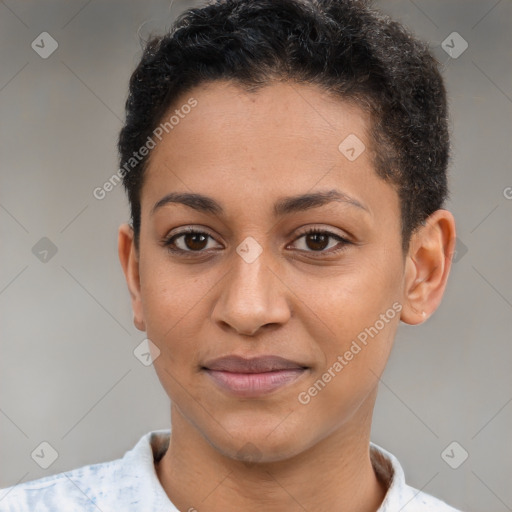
428, 265
129, 259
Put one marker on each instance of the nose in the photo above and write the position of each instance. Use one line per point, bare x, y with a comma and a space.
252, 296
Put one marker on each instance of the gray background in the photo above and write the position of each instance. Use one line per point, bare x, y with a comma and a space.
68, 374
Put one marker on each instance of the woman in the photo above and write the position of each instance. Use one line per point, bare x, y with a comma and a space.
285, 162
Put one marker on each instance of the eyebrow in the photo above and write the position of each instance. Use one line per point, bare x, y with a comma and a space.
284, 206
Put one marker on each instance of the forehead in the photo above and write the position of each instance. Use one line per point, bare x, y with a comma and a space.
284, 139
300, 120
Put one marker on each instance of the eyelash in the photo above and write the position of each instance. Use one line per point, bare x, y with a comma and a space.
169, 242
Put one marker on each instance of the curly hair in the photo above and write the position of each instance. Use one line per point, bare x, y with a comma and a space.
344, 47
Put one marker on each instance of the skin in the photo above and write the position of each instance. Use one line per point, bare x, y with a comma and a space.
297, 299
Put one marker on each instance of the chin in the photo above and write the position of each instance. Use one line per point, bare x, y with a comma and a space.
261, 451
261, 441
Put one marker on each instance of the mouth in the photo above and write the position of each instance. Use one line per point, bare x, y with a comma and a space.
253, 377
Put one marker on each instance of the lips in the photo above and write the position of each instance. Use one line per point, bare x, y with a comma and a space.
237, 364
253, 377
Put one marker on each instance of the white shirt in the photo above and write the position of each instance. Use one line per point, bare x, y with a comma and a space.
131, 484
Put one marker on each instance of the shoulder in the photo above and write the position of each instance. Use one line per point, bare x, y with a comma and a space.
401, 496
120, 484
78, 489
418, 501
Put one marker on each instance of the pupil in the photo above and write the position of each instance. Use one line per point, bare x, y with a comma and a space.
323, 239
194, 237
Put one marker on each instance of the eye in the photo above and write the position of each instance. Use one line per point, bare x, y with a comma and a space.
192, 241
187, 241
317, 240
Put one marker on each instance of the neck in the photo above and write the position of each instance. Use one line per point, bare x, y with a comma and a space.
334, 474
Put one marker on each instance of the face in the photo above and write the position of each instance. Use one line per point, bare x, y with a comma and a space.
237, 274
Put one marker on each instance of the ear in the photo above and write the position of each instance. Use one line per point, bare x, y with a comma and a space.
129, 258
427, 266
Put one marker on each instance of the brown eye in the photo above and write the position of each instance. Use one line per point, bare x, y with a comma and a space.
317, 241
188, 241
195, 241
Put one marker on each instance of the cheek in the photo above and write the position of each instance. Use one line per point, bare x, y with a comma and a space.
170, 292
171, 302
353, 318
349, 300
